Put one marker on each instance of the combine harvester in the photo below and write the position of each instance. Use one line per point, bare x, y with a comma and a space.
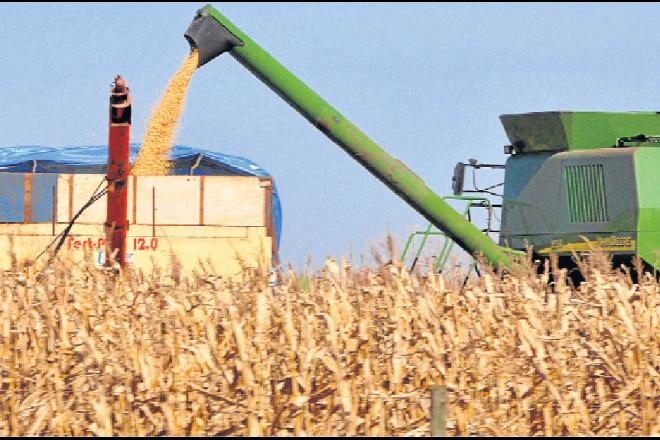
574, 182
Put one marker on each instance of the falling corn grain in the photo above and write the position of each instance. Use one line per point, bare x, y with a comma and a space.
152, 159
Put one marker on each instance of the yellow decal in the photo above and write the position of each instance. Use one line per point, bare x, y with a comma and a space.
608, 244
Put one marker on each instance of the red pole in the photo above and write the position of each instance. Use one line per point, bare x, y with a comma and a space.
119, 166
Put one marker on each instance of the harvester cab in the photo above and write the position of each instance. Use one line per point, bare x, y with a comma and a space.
574, 181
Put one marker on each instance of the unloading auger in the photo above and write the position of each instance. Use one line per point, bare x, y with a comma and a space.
212, 34
575, 182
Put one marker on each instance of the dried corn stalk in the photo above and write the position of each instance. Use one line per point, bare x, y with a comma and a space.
350, 352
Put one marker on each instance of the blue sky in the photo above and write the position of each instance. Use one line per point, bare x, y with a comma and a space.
426, 81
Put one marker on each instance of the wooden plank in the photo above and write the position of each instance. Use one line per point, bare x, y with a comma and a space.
234, 201
267, 184
27, 199
73, 191
70, 197
180, 200
197, 231
177, 200
83, 189
38, 229
438, 410
54, 210
62, 189
201, 200
87, 241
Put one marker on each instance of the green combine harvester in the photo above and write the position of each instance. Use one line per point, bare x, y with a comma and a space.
574, 181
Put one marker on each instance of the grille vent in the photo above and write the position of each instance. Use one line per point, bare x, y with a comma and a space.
585, 193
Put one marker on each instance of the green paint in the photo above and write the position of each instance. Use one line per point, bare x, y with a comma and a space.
448, 244
586, 130
335, 126
647, 164
568, 130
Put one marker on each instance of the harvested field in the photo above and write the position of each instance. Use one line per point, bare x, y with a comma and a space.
160, 135
345, 351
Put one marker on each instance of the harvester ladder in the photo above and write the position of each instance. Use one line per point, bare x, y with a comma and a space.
448, 244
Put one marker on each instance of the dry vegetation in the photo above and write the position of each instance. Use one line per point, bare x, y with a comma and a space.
342, 352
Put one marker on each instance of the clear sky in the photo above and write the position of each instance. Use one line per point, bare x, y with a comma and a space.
426, 81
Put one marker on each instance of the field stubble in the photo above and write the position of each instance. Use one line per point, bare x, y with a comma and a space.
345, 351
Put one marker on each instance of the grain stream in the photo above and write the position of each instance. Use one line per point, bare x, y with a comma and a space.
153, 158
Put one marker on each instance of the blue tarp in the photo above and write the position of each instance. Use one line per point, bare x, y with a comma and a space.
94, 159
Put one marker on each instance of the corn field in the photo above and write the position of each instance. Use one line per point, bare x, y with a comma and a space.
344, 351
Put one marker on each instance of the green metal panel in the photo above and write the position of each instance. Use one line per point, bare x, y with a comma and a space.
587, 130
334, 125
647, 177
567, 130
